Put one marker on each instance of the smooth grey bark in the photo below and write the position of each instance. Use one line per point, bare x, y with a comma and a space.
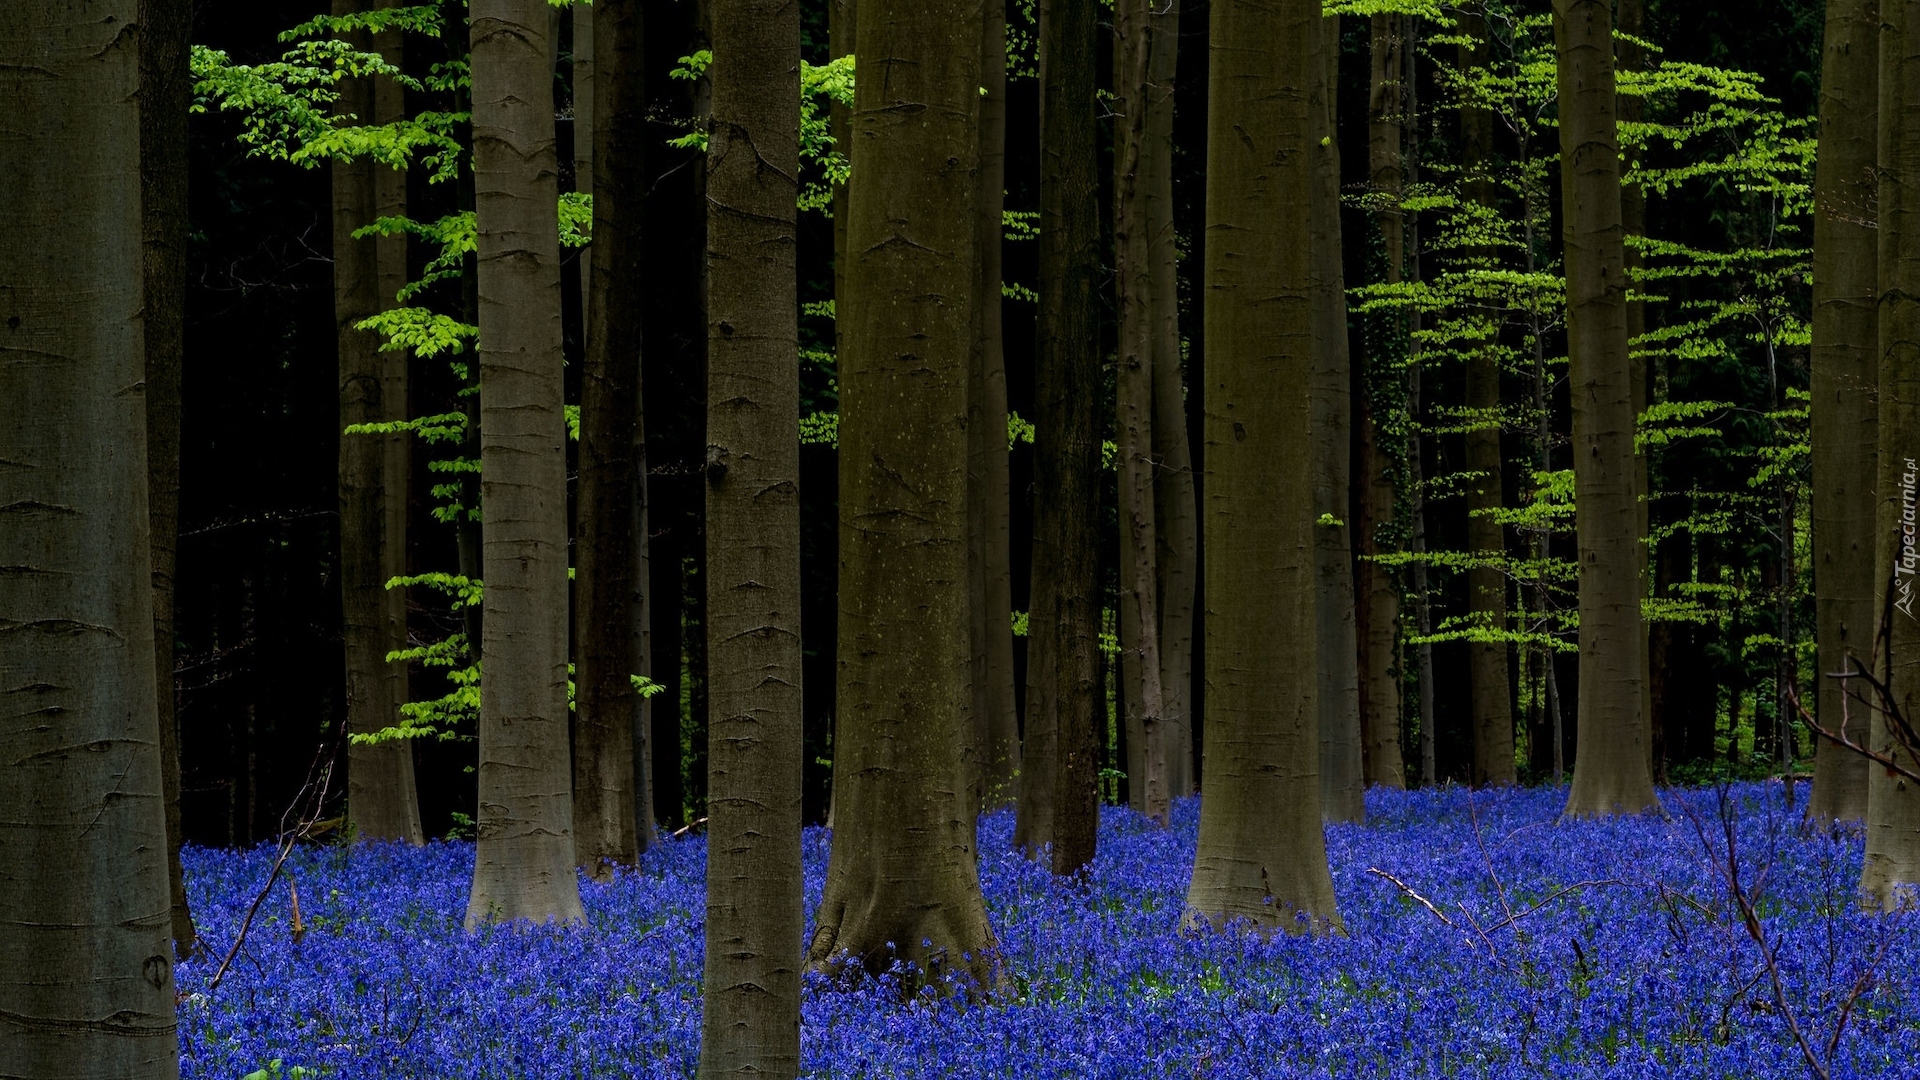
1342, 777
1843, 381
1177, 521
1261, 854
381, 800
750, 1012
1890, 875
903, 880
1613, 775
613, 811
989, 484
524, 858
86, 967
1060, 798
1143, 695
166, 92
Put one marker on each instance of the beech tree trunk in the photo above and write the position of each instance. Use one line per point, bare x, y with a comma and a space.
1261, 854
166, 92
1891, 872
1342, 779
903, 880
1844, 378
612, 783
381, 800
1613, 775
1488, 661
989, 486
1377, 595
750, 1016
1630, 56
1133, 228
1177, 519
1060, 804
86, 972
524, 862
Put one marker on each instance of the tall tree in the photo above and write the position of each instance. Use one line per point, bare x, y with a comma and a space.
1059, 803
1891, 871
989, 486
1342, 779
1844, 378
1613, 776
1177, 519
1488, 665
86, 975
750, 1018
1143, 696
367, 272
1377, 595
903, 879
1261, 854
613, 811
524, 862
166, 93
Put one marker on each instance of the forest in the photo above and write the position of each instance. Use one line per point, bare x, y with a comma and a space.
948, 538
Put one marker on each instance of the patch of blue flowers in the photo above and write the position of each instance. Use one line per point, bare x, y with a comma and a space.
1609, 948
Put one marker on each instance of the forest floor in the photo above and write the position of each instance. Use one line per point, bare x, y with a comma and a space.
1608, 948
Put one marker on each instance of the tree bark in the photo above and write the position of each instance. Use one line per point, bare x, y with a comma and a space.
1630, 56
1377, 600
1342, 777
989, 488
1177, 527
612, 786
524, 862
166, 92
1891, 871
1613, 775
1261, 853
1143, 696
1844, 379
1063, 673
1488, 661
381, 800
750, 1018
86, 975
903, 880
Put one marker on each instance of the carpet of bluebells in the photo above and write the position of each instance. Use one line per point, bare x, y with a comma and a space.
1588, 949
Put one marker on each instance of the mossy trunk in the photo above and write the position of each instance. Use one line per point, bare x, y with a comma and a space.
903, 880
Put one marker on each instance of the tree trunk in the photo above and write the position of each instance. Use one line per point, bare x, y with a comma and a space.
1063, 673
585, 101
1342, 777
1261, 853
989, 489
1143, 696
903, 880
1488, 663
166, 91
86, 976
381, 802
1633, 221
1892, 868
524, 862
750, 1018
1377, 601
1613, 775
612, 789
1844, 378
1177, 521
